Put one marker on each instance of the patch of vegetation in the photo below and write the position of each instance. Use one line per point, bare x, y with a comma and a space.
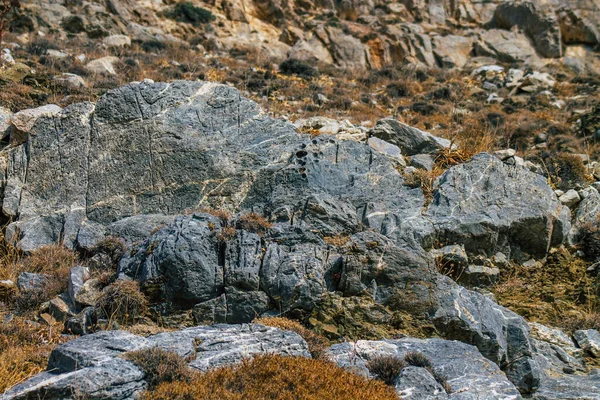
277, 378
386, 368
187, 12
293, 66
560, 293
160, 366
123, 302
565, 171
24, 349
316, 343
253, 222
54, 261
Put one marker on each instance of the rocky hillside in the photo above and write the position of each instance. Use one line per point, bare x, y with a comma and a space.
405, 192
352, 34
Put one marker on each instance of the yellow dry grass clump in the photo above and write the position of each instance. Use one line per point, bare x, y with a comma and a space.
25, 348
24, 344
275, 377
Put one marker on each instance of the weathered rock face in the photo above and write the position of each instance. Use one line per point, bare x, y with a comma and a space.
92, 365
289, 269
541, 25
75, 163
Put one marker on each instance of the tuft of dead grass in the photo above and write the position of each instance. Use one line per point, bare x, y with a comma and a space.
123, 302
253, 222
337, 240
276, 378
24, 349
160, 366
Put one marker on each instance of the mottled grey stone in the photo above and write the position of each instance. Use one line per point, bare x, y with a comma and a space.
482, 205
31, 282
410, 140
589, 340
469, 374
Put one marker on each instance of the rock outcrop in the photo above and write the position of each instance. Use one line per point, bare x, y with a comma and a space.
93, 365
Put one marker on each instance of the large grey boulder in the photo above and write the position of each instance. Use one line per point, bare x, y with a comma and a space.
219, 345
586, 213
469, 374
186, 255
92, 366
236, 278
493, 207
540, 24
589, 341
212, 142
505, 46
570, 387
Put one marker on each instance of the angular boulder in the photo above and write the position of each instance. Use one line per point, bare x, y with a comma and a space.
493, 207
540, 24
411, 141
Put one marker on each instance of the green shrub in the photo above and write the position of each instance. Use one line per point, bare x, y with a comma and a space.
188, 12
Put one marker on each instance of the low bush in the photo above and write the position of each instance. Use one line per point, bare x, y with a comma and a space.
24, 349
276, 378
292, 66
160, 365
123, 302
253, 222
56, 262
417, 359
564, 170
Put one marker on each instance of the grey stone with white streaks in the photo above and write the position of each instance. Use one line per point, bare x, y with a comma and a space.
589, 341
470, 375
93, 366
416, 383
482, 205
218, 345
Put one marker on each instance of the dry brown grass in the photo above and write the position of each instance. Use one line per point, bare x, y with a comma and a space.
223, 215
226, 234
316, 343
276, 378
160, 366
253, 222
24, 349
559, 293
337, 240
123, 302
